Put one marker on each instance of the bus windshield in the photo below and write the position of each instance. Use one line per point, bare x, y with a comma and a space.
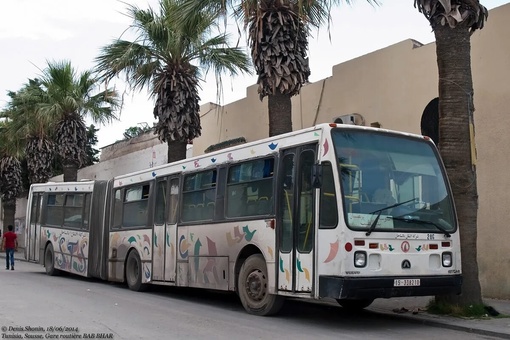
392, 183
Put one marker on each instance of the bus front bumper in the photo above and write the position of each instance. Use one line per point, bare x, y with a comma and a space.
384, 287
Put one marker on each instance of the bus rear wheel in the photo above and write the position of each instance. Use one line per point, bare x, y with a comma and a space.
252, 288
134, 272
351, 304
49, 261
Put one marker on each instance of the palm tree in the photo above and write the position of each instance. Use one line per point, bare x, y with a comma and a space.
69, 98
34, 130
278, 36
163, 58
453, 22
10, 171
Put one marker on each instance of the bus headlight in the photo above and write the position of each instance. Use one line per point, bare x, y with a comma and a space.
447, 259
360, 259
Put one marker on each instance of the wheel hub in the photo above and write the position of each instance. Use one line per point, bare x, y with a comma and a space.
255, 285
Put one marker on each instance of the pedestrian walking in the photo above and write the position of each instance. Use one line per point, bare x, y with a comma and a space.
10, 245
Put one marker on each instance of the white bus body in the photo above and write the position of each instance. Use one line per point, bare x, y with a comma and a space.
333, 211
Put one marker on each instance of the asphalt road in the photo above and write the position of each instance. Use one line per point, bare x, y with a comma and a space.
35, 305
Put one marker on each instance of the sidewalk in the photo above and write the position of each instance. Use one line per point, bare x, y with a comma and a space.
408, 306
413, 309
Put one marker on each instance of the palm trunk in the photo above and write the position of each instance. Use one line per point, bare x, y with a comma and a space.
9, 209
455, 128
70, 172
280, 114
176, 151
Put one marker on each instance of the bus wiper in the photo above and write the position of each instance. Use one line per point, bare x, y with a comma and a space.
445, 232
374, 224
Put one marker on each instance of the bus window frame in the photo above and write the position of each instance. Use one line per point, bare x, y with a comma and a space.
123, 191
202, 189
246, 183
43, 216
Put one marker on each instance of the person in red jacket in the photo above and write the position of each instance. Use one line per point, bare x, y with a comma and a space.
10, 245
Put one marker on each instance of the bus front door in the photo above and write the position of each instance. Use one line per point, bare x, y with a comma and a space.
296, 232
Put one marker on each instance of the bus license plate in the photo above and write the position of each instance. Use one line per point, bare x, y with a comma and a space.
406, 282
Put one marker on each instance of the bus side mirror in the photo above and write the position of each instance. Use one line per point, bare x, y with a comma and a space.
317, 176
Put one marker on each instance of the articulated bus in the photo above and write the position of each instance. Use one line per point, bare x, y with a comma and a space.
333, 211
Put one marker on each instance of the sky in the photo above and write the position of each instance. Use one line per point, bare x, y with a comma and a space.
33, 32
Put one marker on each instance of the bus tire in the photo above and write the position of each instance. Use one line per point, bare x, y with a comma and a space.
49, 261
252, 288
353, 305
134, 272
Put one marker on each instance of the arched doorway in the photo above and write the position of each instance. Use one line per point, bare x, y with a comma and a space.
430, 120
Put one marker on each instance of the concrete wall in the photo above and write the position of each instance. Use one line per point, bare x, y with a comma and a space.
126, 158
121, 148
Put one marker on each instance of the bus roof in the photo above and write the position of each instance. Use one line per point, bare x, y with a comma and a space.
259, 148
63, 186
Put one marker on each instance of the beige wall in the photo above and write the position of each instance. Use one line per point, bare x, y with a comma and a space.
380, 86
392, 86
491, 74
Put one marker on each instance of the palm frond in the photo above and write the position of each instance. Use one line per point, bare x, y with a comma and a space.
71, 138
10, 177
39, 155
470, 13
136, 61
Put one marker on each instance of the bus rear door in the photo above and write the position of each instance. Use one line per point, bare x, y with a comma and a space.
33, 238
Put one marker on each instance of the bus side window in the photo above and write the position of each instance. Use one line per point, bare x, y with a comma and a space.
199, 196
55, 215
135, 207
250, 188
73, 210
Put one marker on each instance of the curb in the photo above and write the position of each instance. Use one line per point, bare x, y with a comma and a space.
22, 259
426, 319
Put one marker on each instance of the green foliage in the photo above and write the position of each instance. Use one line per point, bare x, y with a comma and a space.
471, 311
135, 131
90, 152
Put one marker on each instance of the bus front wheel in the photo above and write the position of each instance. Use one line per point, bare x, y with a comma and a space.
253, 288
49, 261
134, 272
354, 304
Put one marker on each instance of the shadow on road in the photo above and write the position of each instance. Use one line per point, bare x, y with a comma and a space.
305, 312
